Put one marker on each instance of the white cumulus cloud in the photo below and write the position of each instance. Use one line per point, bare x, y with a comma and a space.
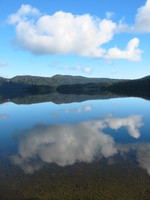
65, 33
61, 33
22, 14
142, 19
131, 52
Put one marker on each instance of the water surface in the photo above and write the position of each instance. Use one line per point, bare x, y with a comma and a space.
96, 149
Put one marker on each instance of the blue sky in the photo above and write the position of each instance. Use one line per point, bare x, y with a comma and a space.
107, 38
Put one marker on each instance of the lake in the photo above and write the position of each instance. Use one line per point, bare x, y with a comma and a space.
93, 149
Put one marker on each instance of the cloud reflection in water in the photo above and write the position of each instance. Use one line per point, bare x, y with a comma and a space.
67, 144
3, 116
142, 153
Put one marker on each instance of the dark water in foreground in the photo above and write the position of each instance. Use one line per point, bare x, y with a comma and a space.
97, 149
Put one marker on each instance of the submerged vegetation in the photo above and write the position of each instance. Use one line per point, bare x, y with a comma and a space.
99, 181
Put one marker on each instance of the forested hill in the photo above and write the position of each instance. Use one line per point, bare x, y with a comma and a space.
138, 87
31, 85
54, 80
117, 85
134, 88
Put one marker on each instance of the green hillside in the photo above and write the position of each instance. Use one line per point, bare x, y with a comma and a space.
56, 80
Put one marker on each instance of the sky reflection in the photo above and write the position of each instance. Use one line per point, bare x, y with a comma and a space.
69, 143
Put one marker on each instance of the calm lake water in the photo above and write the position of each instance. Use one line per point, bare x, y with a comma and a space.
96, 149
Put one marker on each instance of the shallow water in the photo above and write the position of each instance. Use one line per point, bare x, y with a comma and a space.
98, 149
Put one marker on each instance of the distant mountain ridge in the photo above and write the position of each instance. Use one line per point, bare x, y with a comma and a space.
26, 87
55, 80
133, 88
